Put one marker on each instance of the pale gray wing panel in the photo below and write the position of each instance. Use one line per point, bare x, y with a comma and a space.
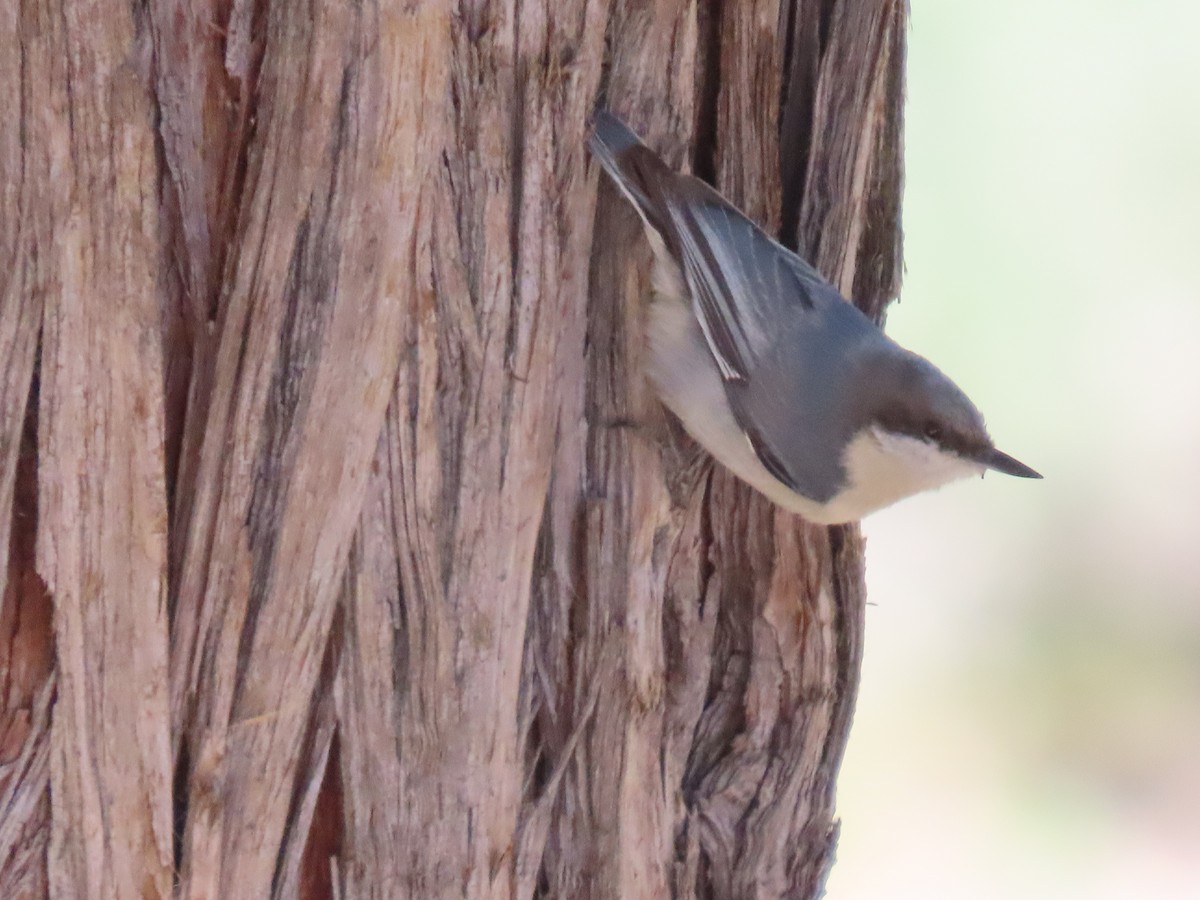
744, 284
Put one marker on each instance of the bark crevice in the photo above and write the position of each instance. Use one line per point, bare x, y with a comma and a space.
360, 519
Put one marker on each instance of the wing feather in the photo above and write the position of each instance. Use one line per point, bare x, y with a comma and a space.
742, 282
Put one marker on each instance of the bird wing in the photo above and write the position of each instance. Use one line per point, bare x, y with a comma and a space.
779, 332
744, 284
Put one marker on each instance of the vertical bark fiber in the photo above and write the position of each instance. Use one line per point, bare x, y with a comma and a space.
86, 254
333, 566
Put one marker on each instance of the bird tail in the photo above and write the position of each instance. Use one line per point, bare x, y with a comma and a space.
634, 168
610, 138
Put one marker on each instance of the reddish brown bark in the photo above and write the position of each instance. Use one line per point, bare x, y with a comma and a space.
317, 327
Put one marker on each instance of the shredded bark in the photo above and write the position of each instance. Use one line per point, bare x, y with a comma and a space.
347, 551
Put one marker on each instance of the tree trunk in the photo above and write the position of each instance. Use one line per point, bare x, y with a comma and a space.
332, 570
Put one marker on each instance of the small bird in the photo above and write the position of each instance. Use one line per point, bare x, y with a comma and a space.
772, 371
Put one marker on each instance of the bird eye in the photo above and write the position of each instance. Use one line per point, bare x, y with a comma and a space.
933, 431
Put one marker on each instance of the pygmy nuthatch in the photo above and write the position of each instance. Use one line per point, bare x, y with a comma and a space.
772, 371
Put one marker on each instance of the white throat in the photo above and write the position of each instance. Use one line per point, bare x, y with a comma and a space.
883, 467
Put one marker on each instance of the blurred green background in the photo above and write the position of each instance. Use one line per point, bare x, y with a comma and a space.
1029, 721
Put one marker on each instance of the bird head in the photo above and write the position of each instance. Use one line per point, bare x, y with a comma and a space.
915, 430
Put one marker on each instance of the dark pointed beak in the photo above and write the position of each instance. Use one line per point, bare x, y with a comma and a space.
1002, 462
